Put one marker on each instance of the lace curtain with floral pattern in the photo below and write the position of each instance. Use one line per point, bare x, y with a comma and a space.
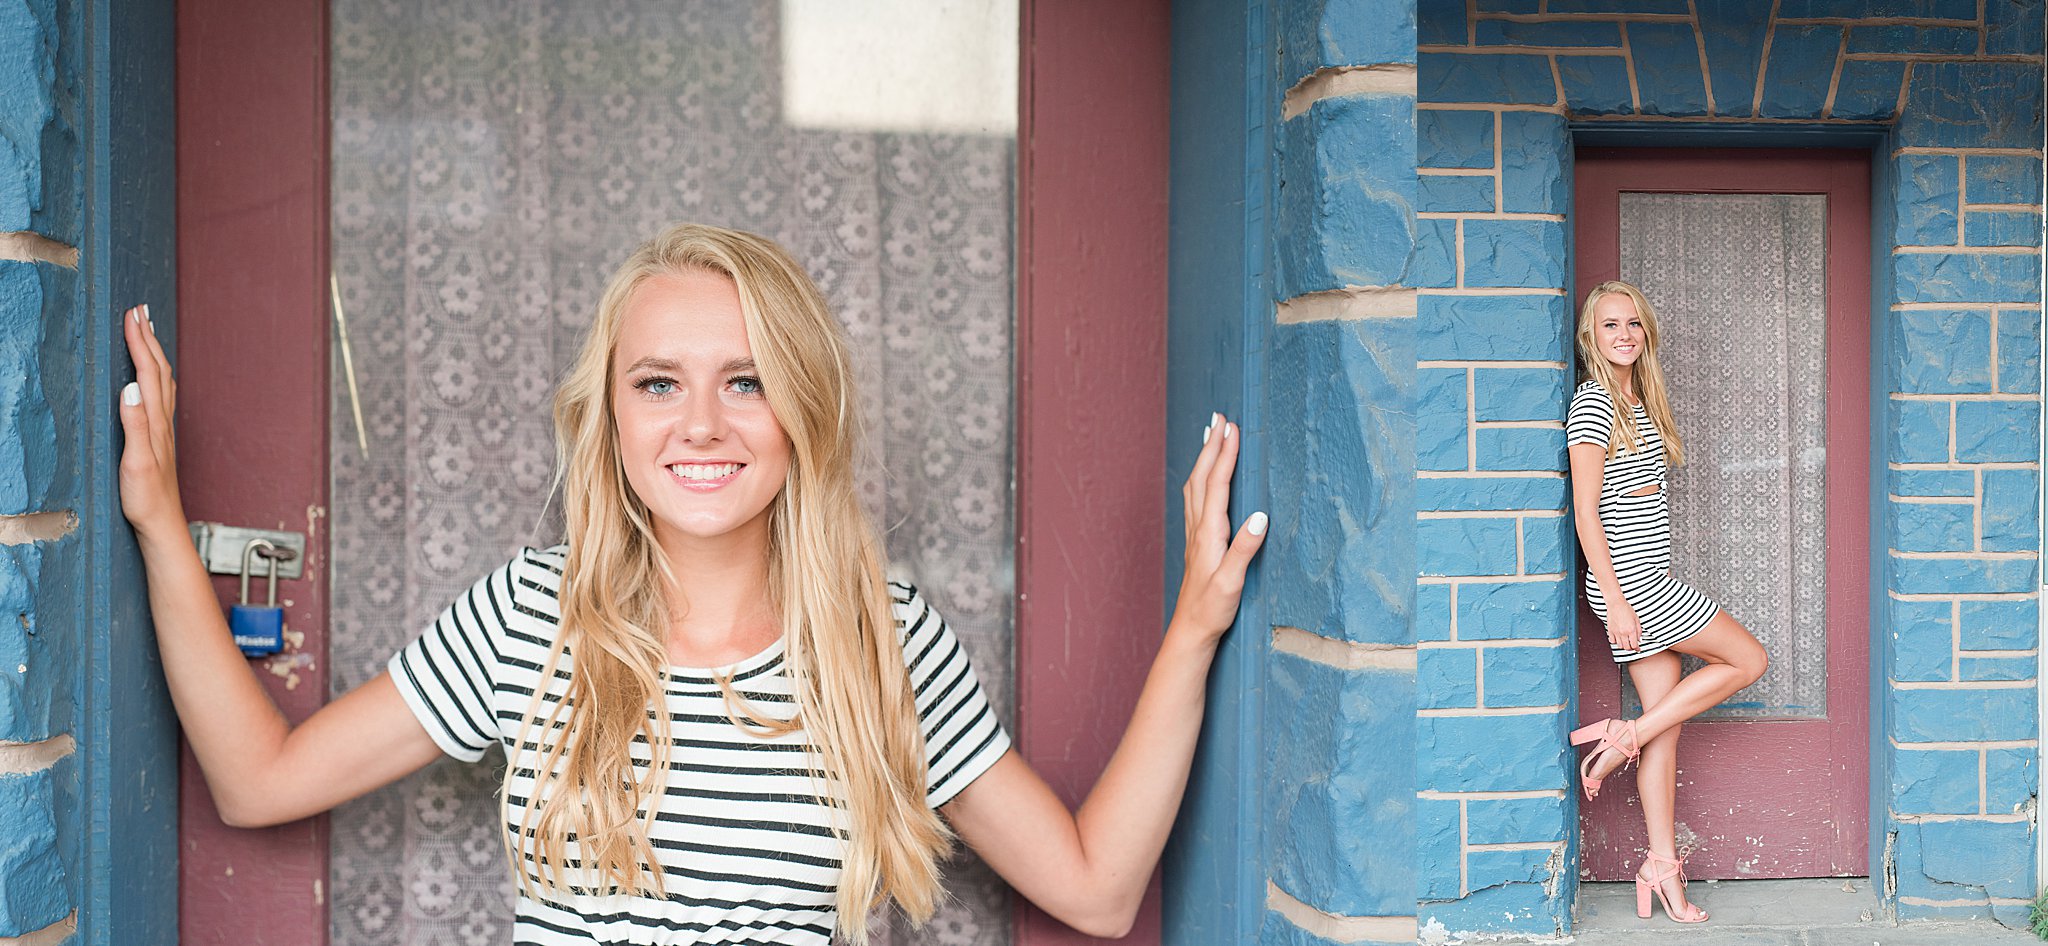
493, 160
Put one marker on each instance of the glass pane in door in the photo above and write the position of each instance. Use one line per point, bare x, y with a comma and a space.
1739, 285
492, 161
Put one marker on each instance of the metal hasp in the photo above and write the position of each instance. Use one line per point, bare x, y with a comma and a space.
221, 548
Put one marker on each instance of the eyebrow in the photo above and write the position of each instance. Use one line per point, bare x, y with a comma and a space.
655, 363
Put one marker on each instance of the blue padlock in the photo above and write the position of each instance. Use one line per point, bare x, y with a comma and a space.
258, 629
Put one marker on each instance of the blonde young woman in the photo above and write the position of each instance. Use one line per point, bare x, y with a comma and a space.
1622, 439
745, 733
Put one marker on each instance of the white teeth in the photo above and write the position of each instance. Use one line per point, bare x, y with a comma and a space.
704, 471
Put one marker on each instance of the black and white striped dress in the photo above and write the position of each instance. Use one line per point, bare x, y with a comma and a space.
748, 852
1638, 529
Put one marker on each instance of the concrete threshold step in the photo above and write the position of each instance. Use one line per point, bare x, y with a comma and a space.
1824, 912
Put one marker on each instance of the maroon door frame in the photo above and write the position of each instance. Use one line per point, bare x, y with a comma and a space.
1719, 760
1092, 185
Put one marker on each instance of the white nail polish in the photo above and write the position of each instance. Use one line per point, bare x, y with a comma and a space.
1215, 418
1256, 525
132, 394
1205, 434
1229, 429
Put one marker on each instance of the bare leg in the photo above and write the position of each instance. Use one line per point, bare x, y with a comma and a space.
1734, 660
1657, 771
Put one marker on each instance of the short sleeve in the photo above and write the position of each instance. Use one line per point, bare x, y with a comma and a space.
445, 674
1592, 417
962, 737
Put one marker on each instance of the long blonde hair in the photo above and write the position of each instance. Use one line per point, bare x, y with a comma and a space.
1649, 376
825, 574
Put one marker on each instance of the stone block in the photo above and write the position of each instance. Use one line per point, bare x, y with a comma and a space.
1440, 24
1513, 753
1517, 820
1801, 67
1519, 393
2011, 777
1668, 77
1479, 493
1341, 554
2002, 179
1932, 482
1733, 36
1996, 856
1346, 204
1439, 851
1485, 869
1453, 138
1595, 85
1341, 786
2000, 624
1934, 782
1455, 193
1432, 612
2010, 513
1525, 676
1941, 352
1519, 328
2019, 352
1919, 431
1983, 669
1972, 105
1923, 640
1932, 527
1520, 448
2002, 228
1869, 90
1528, 908
1547, 546
1590, 33
26, 465
1927, 191
1435, 262
1905, 38
1332, 33
1277, 930
1441, 424
27, 73
1514, 610
1466, 546
34, 894
1506, 79
1878, 9
1446, 677
1514, 254
2012, 27
1971, 715
1998, 431
1535, 163
1961, 576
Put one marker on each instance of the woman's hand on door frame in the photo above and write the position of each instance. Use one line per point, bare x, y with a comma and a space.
149, 456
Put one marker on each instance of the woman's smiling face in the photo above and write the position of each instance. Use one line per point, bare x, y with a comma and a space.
699, 444
1618, 329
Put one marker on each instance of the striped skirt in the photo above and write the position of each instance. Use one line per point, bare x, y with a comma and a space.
1638, 532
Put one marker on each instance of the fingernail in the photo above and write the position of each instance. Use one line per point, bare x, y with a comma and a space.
1256, 525
1215, 418
135, 315
1205, 433
1229, 429
132, 394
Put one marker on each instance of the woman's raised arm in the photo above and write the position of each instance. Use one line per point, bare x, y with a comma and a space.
1090, 869
260, 768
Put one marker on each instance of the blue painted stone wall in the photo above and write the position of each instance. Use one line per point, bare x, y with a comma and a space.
1338, 430
1957, 87
39, 173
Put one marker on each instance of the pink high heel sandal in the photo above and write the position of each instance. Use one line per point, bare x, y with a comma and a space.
1672, 868
1604, 732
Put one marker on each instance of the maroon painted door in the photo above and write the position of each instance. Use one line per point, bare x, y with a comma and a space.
1758, 265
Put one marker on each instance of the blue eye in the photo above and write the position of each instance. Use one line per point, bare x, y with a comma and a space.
748, 386
659, 387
